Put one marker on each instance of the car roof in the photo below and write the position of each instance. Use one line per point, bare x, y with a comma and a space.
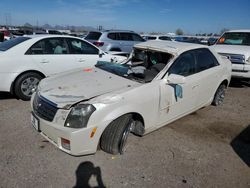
239, 30
114, 30
42, 36
171, 47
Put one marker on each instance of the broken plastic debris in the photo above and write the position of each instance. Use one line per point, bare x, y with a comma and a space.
88, 70
178, 92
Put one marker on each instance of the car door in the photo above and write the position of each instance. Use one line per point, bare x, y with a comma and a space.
126, 42
177, 100
208, 70
51, 55
85, 54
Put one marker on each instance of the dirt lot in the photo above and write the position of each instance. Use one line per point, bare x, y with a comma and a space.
210, 148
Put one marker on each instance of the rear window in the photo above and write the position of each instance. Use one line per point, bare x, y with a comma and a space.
235, 38
151, 38
12, 42
93, 36
164, 38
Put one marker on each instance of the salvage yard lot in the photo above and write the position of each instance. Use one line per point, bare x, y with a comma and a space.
203, 149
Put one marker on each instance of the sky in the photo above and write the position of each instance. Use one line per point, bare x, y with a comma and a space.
192, 16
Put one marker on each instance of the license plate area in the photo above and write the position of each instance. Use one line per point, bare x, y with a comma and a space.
35, 122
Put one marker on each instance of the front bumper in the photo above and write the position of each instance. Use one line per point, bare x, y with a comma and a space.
241, 70
82, 141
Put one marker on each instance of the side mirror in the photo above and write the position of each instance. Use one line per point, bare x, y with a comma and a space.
176, 79
101, 53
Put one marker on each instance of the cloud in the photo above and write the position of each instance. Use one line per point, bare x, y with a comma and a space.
95, 10
165, 11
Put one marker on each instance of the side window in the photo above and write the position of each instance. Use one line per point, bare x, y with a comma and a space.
137, 37
205, 59
37, 48
184, 65
55, 46
81, 47
112, 36
126, 36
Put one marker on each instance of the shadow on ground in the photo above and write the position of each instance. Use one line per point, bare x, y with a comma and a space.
5, 95
83, 174
241, 145
239, 83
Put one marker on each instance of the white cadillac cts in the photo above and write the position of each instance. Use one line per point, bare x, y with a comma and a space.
24, 61
161, 82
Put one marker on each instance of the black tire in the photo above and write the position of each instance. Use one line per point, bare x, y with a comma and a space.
29, 80
219, 95
114, 137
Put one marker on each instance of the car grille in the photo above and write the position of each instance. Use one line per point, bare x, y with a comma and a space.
44, 108
235, 58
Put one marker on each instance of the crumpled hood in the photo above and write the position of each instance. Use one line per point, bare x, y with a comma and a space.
232, 49
72, 87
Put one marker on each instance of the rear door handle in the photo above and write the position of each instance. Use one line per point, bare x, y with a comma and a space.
44, 61
195, 86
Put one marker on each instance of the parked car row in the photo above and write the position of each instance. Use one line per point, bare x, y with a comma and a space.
91, 98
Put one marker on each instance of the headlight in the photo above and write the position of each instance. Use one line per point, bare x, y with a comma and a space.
248, 59
79, 116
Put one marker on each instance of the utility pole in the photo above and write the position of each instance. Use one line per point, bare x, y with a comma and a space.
8, 19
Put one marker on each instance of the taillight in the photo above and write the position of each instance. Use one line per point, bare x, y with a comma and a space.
65, 143
6, 33
98, 44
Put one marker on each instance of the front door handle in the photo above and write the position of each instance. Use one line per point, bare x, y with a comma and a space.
81, 60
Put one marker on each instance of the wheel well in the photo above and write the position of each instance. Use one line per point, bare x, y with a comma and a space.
225, 82
137, 117
139, 126
29, 71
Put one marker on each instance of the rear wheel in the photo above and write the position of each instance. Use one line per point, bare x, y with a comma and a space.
26, 84
219, 95
114, 138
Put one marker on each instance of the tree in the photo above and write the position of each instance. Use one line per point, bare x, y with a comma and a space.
179, 31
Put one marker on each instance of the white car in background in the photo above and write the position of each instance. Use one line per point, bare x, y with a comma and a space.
24, 61
157, 37
162, 81
235, 45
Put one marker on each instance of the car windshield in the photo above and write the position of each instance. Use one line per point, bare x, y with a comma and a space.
142, 66
12, 42
235, 38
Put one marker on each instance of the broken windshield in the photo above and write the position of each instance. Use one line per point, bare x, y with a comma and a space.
142, 66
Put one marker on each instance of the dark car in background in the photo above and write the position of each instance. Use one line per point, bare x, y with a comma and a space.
1, 37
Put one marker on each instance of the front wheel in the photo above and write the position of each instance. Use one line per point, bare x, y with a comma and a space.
114, 137
219, 95
26, 84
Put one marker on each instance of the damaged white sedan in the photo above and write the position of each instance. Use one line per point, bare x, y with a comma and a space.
161, 82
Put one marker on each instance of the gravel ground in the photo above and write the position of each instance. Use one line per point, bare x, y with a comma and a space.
209, 148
